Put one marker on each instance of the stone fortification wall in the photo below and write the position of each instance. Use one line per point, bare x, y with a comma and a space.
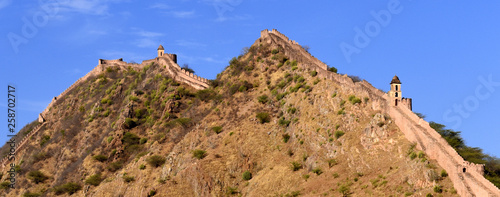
467, 177
172, 67
292, 49
182, 75
20, 144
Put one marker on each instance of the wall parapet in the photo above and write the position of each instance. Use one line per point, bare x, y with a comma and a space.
468, 178
297, 52
21, 143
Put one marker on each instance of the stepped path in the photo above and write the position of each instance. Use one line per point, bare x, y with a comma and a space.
21, 143
467, 177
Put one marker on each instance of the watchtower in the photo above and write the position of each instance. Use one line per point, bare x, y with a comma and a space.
396, 95
161, 51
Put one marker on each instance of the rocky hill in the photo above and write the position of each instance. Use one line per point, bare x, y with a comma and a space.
275, 122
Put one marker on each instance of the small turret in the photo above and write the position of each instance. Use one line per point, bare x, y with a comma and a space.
161, 51
396, 95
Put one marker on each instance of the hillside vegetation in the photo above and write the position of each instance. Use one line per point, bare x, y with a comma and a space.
267, 126
472, 154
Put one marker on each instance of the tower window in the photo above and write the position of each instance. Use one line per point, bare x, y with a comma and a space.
396, 87
396, 93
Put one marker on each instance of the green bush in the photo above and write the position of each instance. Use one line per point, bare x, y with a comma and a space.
317, 171
263, 117
338, 134
341, 112
296, 166
155, 160
44, 140
413, 155
314, 73
354, 100
133, 98
444, 173
206, 94
185, 122
429, 195
100, 158
130, 139
113, 167
69, 188
332, 162
128, 179
284, 122
217, 129
94, 180
106, 101
5, 185
286, 137
332, 69
199, 154
247, 175
31, 194
142, 167
37, 176
232, 190
263, 99
152, 193
274, 51
438, 189
129, 123
421, 154
143, 140
344, 190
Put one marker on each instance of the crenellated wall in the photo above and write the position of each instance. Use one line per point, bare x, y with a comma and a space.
467, 177
20, 144
292, 49
182, 75
167, 60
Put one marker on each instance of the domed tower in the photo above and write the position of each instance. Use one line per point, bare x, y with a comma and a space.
396, 95
161, 51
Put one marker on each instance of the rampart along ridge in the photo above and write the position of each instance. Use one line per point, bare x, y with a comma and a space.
292, 49
467, 177
167, 60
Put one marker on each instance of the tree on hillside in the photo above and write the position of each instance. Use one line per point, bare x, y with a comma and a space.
186, 67
306, 47
471, 154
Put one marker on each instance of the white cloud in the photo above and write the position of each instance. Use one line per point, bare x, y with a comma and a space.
92, 7
185, 43
148, 33
223, 18
147, 39
183, 14
199, 60
160, 6
4, 3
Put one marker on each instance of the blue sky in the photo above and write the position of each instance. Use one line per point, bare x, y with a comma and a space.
446, 53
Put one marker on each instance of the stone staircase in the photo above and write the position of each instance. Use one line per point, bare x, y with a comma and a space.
21, 143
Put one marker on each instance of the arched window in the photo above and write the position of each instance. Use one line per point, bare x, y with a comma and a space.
396, 87
396, 93
464, 170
